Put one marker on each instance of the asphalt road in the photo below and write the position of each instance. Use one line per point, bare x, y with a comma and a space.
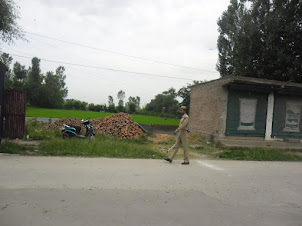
97, 191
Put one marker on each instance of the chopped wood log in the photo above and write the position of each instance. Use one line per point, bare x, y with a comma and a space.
120, 125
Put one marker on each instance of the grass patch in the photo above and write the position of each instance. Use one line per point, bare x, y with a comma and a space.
36, 130
62, 113
152, 147
13, 148
102, 146
259, 154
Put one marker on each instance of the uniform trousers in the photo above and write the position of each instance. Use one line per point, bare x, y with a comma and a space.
180, 140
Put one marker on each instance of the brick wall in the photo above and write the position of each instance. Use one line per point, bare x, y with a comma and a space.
208, 108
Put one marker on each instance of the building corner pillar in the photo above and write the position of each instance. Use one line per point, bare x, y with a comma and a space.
269, 116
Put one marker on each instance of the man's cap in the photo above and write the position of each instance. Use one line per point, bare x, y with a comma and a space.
183, 107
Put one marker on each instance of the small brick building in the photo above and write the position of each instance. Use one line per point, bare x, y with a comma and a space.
247, 107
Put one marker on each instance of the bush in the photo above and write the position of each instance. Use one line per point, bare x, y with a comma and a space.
36, 130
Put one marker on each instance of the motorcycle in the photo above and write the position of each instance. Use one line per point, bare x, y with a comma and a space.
70, 131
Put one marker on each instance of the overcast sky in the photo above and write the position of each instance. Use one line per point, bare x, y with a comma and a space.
177, 32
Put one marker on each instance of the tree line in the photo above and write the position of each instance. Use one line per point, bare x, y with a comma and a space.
165, 104
49, 91
43, 90
262, 39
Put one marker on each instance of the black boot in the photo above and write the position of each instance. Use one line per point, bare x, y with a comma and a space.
169, 160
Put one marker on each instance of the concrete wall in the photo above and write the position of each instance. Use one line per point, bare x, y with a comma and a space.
208, 108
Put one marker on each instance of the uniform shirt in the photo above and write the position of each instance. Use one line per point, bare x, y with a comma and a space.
183, 125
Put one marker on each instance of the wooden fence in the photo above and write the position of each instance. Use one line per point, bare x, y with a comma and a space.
14, 114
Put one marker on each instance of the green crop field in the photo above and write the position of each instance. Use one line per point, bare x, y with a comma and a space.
61, 113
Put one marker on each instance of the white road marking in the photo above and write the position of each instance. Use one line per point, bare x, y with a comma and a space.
210, 166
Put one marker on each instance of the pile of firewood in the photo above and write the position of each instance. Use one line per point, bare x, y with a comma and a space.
68, 121
119, 125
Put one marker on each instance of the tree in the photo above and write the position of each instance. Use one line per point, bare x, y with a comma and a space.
132, 108
16, 78
110, 100
9, 29
263, 40
34, 82
19, 71
185, 93
111, 105
164, 103
133, 104
6, 59
121, 97
53, 91
101, 107
73, 104
19, 77
91, 107
171, 92
111, 108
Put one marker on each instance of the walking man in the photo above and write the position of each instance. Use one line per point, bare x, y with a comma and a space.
181, 138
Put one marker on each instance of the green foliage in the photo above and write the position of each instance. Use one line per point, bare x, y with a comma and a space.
102, 146
61, 113
36, 130
185, 94
16, 78
262, 41
120, 108
121, 97
42, 91
53, 89
19, 77
91, 107
34, 82
12, 148
157, 114
164, 103
131, 108
111, 108
110, 100
72, 104
133, 104
9, 29
259, 154
101, 107
97, 107
6, 59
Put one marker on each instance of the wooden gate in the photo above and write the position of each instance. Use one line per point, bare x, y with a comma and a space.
14, 114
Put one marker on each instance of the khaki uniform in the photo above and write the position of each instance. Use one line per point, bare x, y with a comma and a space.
181, 138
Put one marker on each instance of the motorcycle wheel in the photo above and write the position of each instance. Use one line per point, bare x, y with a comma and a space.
65, 136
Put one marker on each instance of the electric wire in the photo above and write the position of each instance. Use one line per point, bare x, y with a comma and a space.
108, 69
118, 53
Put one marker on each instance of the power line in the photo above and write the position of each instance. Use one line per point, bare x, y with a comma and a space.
108, 69
118, 53
68, 67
